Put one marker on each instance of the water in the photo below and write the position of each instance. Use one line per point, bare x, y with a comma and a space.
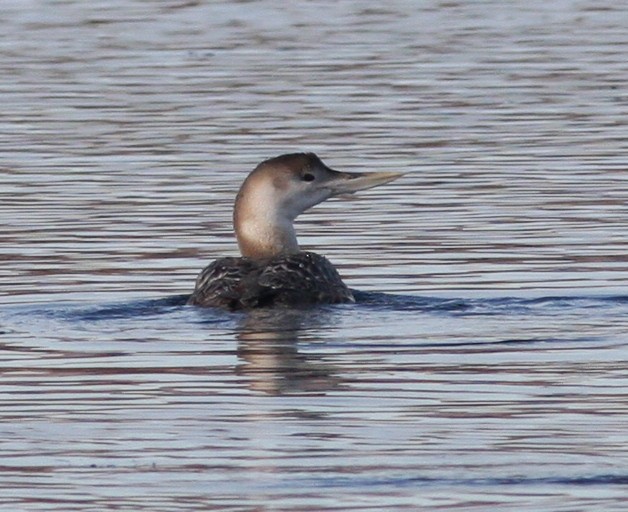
484, 365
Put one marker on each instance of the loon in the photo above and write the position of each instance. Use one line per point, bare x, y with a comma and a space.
273, 271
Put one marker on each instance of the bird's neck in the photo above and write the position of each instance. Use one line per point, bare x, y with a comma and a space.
260, 240
262, 231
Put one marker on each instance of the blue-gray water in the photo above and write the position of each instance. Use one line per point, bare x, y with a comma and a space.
485, 363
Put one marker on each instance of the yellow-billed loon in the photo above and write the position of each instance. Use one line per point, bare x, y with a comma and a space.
273, 271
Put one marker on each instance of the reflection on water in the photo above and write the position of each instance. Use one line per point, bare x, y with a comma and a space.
268, 348
484, 363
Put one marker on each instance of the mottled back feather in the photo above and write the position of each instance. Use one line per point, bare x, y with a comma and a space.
291, 280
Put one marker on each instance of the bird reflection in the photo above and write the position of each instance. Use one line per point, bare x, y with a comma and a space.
269, 353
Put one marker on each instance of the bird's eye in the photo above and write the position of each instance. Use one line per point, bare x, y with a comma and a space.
308, 177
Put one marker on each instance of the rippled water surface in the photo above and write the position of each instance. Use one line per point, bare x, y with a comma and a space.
484, 365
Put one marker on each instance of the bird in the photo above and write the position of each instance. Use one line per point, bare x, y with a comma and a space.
273, 271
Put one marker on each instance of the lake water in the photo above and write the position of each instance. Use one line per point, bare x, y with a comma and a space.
484, 365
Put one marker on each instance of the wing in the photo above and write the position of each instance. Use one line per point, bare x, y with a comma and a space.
303, 278
220, 284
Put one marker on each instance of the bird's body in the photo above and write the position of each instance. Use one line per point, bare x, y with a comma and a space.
292, 280
273, 271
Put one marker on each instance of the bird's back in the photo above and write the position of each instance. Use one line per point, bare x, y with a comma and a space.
295, 280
